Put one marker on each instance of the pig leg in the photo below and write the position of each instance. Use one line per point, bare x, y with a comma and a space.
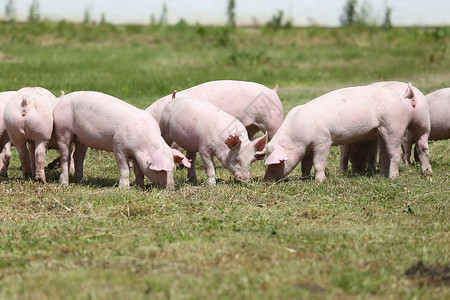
416, 153
65, 147
320, 152
343, 161
422, 152
39, 155
192, 176
3, 169
271, 129
393, 154
208, 165
24, 156
124, 168
384, 159
138, 174
5, 158
406, 149
64, 152
307, 163
78, 158
5, 155
31, 151
372, 156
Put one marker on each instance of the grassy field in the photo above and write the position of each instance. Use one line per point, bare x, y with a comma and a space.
356, 236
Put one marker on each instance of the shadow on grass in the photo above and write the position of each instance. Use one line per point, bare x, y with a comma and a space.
354, 174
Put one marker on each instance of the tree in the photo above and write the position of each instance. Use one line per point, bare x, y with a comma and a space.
34, 14
87, 16
10, 10
163, 18
231, 13
277, 21
103, 19
349, 15
387, 17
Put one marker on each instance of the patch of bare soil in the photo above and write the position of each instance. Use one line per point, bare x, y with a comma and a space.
433, 274
7, 57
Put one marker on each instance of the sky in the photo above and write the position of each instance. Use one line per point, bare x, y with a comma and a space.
248, 12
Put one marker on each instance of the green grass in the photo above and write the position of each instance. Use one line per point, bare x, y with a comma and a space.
353, 236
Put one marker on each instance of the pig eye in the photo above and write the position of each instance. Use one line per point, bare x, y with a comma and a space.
237, 160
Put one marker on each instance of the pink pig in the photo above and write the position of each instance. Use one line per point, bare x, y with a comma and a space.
343, 116
439, 108
199, 126
28, 119
257, 107
100, 121
418, 125
5, 143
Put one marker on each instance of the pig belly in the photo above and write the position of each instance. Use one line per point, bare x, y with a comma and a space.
94, 139
341, 138
185, 140
349, 128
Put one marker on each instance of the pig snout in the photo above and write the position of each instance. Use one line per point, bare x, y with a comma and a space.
165, 183
242, 178
162, 179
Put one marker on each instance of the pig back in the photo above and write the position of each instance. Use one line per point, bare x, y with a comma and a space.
99, 120
249, 102
350, 114
191, 121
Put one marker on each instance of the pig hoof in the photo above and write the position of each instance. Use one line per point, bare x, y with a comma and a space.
64, 182
320, 179
427, 172
40, 180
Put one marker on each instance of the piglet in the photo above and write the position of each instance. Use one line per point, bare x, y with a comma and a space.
343, 116
418, 129
257, 107
439, 108
28, 119
199, 126
100, 121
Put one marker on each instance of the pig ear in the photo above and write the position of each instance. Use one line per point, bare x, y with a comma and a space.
277, 156
275, 89
159, 162
62, 94
233, 141
179, 158
260, 143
